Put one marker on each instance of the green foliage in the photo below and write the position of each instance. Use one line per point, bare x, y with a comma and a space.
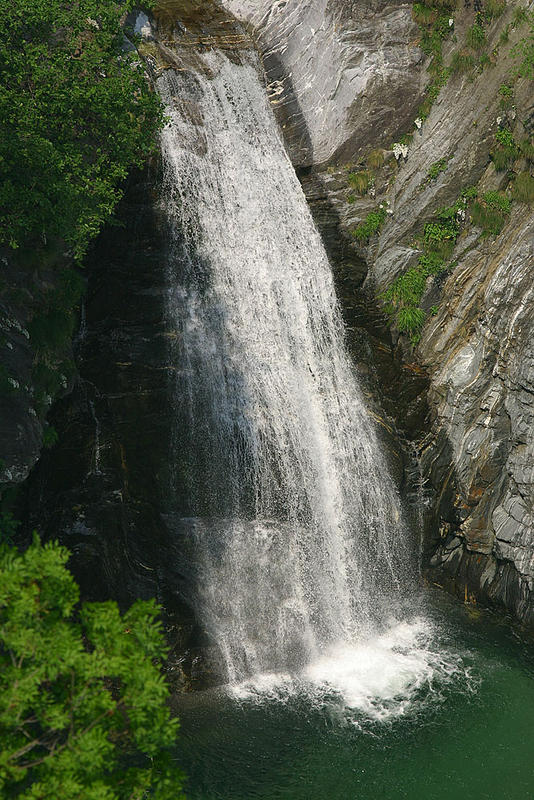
445, 5
403, 297
375, 159
434, 35
520, 15
411, 320
497, 201
433, 21
506, 151
444, 228
506, 91
360, 181
505, 35
432, 91
371, 225
490, 212
469, 193
83, 710
494, 8
524, 49
461, 63
483, 62
507, 95
505, 137
423, 15
76, 113
50, 436
523, 189
437, 168
431, 263
476, 37
527, 149
407, 289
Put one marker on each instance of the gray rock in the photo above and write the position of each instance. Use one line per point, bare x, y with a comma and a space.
341, 75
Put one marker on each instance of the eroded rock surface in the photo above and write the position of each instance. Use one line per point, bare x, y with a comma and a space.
480, 351
340, 74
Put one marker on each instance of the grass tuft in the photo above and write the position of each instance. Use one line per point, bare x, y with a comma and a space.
476, 37
360, 181
523, 189
375, 159
490, 212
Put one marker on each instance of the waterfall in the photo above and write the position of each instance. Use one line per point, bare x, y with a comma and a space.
295, 523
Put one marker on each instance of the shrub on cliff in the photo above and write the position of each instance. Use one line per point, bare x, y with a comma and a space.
83, 709
76, 113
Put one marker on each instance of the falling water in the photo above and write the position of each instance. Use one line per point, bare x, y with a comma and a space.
296, 523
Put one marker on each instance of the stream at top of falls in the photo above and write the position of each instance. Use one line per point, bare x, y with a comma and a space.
300, 565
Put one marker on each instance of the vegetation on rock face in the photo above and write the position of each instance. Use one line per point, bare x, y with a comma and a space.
523, 189
489, 212
403, 297
83, 710
360, 181
433, 19
524, 50
476, 36
76, 113
437, 168
371, 225
506, 150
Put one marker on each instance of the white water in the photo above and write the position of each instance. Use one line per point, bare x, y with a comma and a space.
296, 525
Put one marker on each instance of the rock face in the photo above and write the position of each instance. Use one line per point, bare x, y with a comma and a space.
325, 66
104, 489
341, 74
480, 350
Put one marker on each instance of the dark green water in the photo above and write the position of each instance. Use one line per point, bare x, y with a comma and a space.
467, 733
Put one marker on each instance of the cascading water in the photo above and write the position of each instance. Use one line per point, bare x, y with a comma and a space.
296, 524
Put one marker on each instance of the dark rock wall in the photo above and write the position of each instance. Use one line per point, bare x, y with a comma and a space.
104, 489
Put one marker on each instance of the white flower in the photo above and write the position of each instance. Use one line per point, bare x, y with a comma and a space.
400, 150
32, 412
15, 384
418, 122
499, 120
451, 22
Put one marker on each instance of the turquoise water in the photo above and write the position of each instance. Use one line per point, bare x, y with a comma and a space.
465, 731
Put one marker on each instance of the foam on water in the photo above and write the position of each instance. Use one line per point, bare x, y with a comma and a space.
382, 677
